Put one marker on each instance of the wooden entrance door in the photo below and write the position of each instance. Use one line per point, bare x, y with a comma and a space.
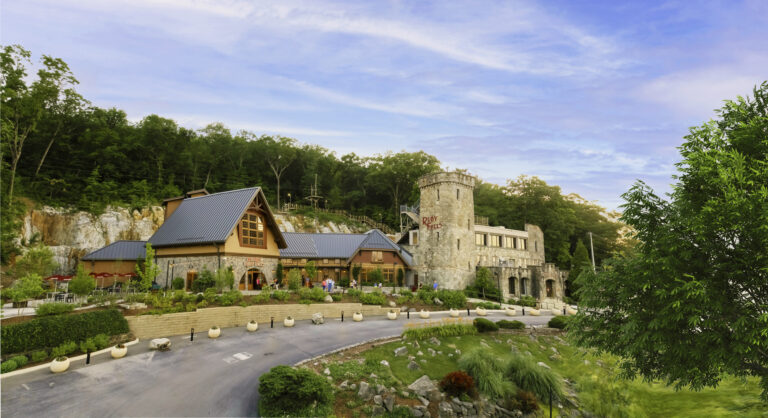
550, 288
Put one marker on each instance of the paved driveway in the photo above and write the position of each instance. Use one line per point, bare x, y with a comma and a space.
203, 377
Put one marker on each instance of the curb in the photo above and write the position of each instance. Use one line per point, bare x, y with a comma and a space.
48, 364
307, 360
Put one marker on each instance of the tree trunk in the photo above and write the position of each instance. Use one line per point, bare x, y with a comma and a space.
48, 148
13, 178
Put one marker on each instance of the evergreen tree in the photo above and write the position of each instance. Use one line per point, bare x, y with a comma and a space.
579, 262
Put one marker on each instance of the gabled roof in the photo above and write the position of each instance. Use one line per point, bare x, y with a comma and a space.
211, 219
119, 250
301, 245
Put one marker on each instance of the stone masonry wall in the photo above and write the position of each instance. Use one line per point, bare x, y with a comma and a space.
240, 265
155, 326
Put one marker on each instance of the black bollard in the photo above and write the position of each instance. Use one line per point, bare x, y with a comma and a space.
563, 310
271, 321
342, 316
467, 311
408, 313
523, 310
88, 357
192, 334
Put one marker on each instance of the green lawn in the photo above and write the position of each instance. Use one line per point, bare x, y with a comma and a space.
595, 381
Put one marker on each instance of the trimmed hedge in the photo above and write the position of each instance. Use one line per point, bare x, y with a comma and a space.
510, 324
484, 325
286, 391
52, 331
558, 322
54, 308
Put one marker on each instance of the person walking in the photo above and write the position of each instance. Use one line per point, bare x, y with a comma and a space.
434, 286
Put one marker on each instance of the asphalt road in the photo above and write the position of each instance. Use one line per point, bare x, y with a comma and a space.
203, 377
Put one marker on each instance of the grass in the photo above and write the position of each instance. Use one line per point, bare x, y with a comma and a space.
596, 383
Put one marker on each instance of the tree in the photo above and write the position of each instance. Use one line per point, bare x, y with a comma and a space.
579, 262
375, 276
204, 281
280, 155
484, 285
400, 277
38, 260
690, 303
279, 274
82, 284
148, 270
225, 278
25, 288
356, 271
294, 279
311, 270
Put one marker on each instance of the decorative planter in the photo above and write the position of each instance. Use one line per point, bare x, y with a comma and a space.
214, 332
252, 326
481, 311
392, 315
424, 314
510, 311
357, 316
534, 312
58, 366
119, 352
557, 312
288, 322
454, 313
571, 311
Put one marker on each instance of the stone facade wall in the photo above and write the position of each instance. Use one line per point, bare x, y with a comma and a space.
240, 265
155, 326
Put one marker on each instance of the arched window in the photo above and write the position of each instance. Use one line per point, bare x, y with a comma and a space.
512, 286
550, 286
523, 286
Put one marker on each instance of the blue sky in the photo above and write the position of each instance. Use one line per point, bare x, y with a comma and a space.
586, 95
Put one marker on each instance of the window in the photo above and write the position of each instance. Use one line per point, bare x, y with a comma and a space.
252, 231
438, 236
438, 195
480, 239
509, 242
458, 244
414, 237
495, 240
523, 244
468, 228
325, 261
377, 256
457, 194
536, 246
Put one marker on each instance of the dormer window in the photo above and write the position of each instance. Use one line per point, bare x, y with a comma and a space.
252, 231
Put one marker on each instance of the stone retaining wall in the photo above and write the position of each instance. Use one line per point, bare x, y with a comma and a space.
155, 326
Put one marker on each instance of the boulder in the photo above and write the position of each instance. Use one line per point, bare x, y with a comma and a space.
327, 371
377, 400
422, 385
365, 391
413, 365
160, 344
544, 365
434, 341
401, 351
437, 301
416, 413
378, 410
380, 389
392, 304
431, 352
419, 353
389, 403
384, 363
328, 299
344, 385
424, 401
445, 410
352, 386
318, 318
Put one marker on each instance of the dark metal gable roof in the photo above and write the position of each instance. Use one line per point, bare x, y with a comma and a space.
119, 250
301, 245
211, 219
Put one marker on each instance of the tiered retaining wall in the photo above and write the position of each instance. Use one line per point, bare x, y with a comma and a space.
155, 326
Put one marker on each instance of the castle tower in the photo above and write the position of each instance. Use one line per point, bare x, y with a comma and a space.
446, 250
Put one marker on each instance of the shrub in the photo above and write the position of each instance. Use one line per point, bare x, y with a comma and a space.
486, 369
484, 325
448, 330
405, 292
426, 296
483, 287
344, 281
373, 298
558, 322
178, 283
305, 302
136, 297
457, 383
487, 305
209, 295
525, 402
336, 297
20, 361
64, 349
8, 366
230, 298
202, 304
54, 308
262, 297
510, 324
524, 301
295, 392
294, 279
452, 298
304, 293
529, 376
375, 276
50, 331
101, 340
88, 345
39, 355
281, 295
317, 294
355, 293
204, 281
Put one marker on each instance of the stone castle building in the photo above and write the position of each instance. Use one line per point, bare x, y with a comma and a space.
449, 244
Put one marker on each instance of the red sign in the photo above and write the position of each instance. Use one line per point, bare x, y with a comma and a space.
254, 261
431, 222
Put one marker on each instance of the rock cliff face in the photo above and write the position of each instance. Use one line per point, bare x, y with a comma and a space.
71, 235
